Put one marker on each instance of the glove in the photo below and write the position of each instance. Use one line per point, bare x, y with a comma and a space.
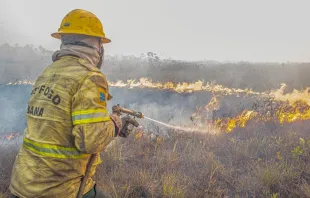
128, 124
117, 123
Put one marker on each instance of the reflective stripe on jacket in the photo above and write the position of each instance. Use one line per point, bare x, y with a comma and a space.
67, 121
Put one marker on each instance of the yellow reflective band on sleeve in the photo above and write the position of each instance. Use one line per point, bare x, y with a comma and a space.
54, 151
90, 116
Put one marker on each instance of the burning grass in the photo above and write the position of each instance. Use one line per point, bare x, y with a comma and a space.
265, 160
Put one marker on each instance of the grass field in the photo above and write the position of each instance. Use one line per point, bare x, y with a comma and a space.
267, 160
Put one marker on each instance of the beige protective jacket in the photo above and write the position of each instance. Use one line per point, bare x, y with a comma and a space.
67, 121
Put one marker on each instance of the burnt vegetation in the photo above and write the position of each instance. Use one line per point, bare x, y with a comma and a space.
264, 159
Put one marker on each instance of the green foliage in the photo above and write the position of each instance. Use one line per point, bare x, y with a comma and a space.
308, 143
279, 156
275, 195
297, 151
302, 142
171, 187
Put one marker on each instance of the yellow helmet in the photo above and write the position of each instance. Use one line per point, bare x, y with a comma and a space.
80, 21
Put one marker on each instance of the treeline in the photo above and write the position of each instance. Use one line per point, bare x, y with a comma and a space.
19, 63
26, 62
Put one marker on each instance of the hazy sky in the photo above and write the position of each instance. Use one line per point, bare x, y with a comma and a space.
231, 30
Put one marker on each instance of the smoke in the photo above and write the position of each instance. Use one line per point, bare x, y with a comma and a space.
19, 63
165, 106
13, 104
169, 107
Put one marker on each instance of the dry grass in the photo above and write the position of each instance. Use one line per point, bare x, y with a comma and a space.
251, 162
8, 151
247, 163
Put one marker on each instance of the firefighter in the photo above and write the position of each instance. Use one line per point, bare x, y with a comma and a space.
67, 116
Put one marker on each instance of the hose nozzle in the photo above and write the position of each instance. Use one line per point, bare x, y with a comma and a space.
119, 110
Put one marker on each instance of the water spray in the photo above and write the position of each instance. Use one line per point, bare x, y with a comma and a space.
170, 126
119, 110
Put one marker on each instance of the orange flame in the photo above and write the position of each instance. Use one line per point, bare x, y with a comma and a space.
181, 87
285, 108
11, 136
296, 95
284, 113
214, 104
228, 124
22, 82
290, 107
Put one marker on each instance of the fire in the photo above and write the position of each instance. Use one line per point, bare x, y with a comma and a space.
180, 87
186, 87
284, 107
20, 82
214, 104
9, 137
223, 124
284, 112
228, 124
296, 95
298, 110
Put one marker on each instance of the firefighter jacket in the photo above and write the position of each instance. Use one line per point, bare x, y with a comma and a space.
67, 121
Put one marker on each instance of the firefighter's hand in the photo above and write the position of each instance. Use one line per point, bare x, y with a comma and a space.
116, 109
128, 124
